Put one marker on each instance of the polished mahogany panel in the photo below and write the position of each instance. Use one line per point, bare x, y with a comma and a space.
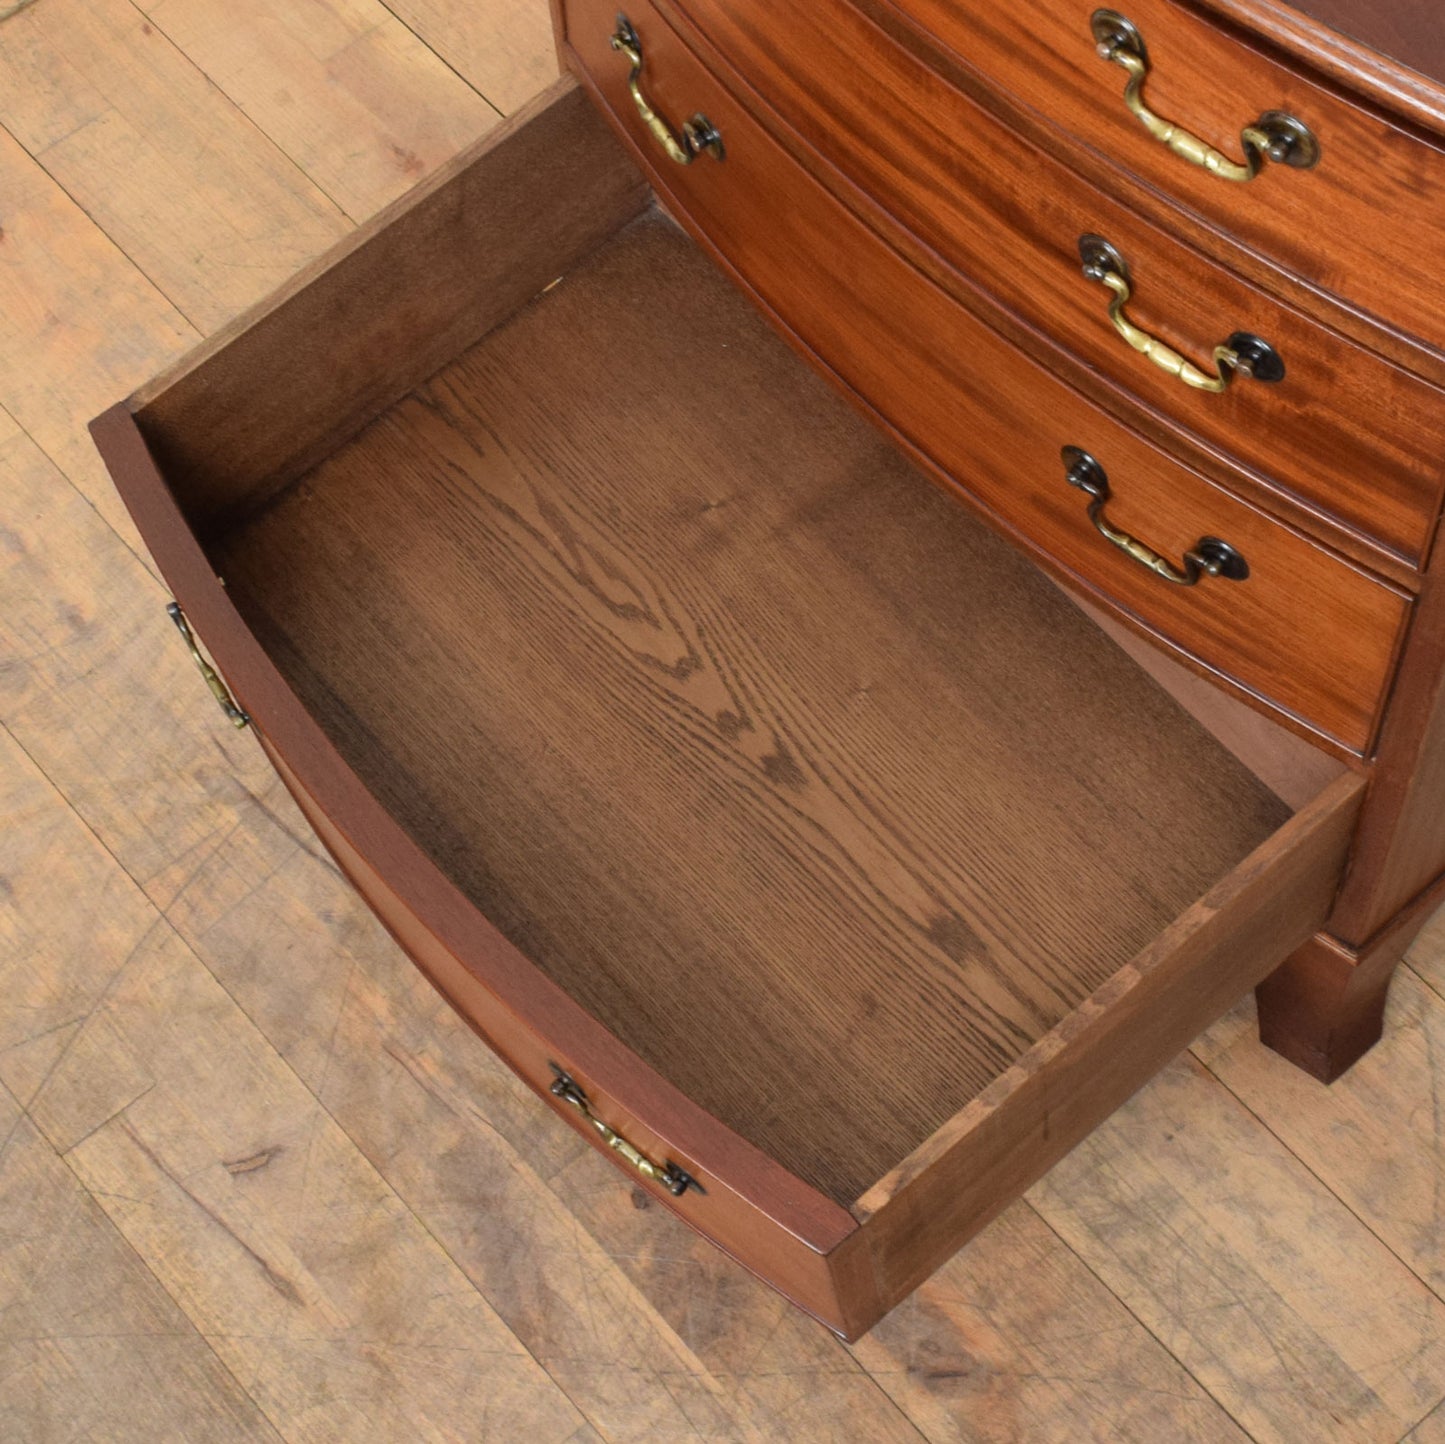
1307, 631
1003, 213
1363, 224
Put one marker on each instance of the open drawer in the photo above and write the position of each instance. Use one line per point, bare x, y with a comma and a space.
780, 824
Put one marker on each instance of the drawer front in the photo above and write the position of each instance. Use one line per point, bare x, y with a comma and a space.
1344, 430
808, 1276
1308, 632
801, 1243
1364, 223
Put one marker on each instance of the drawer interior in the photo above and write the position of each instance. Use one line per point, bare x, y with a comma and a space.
793, 774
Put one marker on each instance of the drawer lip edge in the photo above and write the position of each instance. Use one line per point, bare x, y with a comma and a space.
659, 1107
1342, 795
1313, 45
926, 1198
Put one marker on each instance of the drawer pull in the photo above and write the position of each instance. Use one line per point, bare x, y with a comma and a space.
1247, 354
674, 1179
1209, 556
698, 134
213, 680
1274, 136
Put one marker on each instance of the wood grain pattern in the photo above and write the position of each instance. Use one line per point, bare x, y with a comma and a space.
1249, 1270
1006, 216
81, 618
482, 1186
1401, 849
1073, 1078
834, 1285
667, 1113
88, 1340
356, 100
226, 1141
741, 1332
208, 207
1430, 1430
1393, 48
503, 47
911, 353
79, 324
1208, 80
119, 716
1425, 950
584, 579
197, 1141
91, 1345
1293, 770
279, 390
975, 1358
1373, 1135
199, 815
1326, 1005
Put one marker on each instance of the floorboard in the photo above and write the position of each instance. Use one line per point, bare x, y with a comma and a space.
256, 1182
91, 1345
79, 324
204, 202
352, 97
293, 1259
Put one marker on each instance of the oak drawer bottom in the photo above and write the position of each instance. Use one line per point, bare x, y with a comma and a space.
719, 741
849, 868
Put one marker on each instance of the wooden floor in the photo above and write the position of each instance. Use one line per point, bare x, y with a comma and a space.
258, 1183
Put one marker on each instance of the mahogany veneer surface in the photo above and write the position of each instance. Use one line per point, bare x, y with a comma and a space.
808, 786
1307, 633
1362, 225
1006, 216
1410, 31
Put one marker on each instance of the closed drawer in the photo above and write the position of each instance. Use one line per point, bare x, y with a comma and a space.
1307, 631
687, 738
1350, 434
1364, 223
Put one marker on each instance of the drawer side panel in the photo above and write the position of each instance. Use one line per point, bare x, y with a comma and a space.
1091, 1063
775, 1224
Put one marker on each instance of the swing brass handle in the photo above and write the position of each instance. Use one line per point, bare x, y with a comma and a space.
1243, 353
697, 135
674, 1179
219, 690
1209, 557
1275, 136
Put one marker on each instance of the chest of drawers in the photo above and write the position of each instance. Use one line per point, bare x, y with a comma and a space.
835, 793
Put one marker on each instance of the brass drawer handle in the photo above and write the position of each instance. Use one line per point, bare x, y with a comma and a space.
698, 134
1209, 557
1274, 136
1245, 353
218, 688
674, 1179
